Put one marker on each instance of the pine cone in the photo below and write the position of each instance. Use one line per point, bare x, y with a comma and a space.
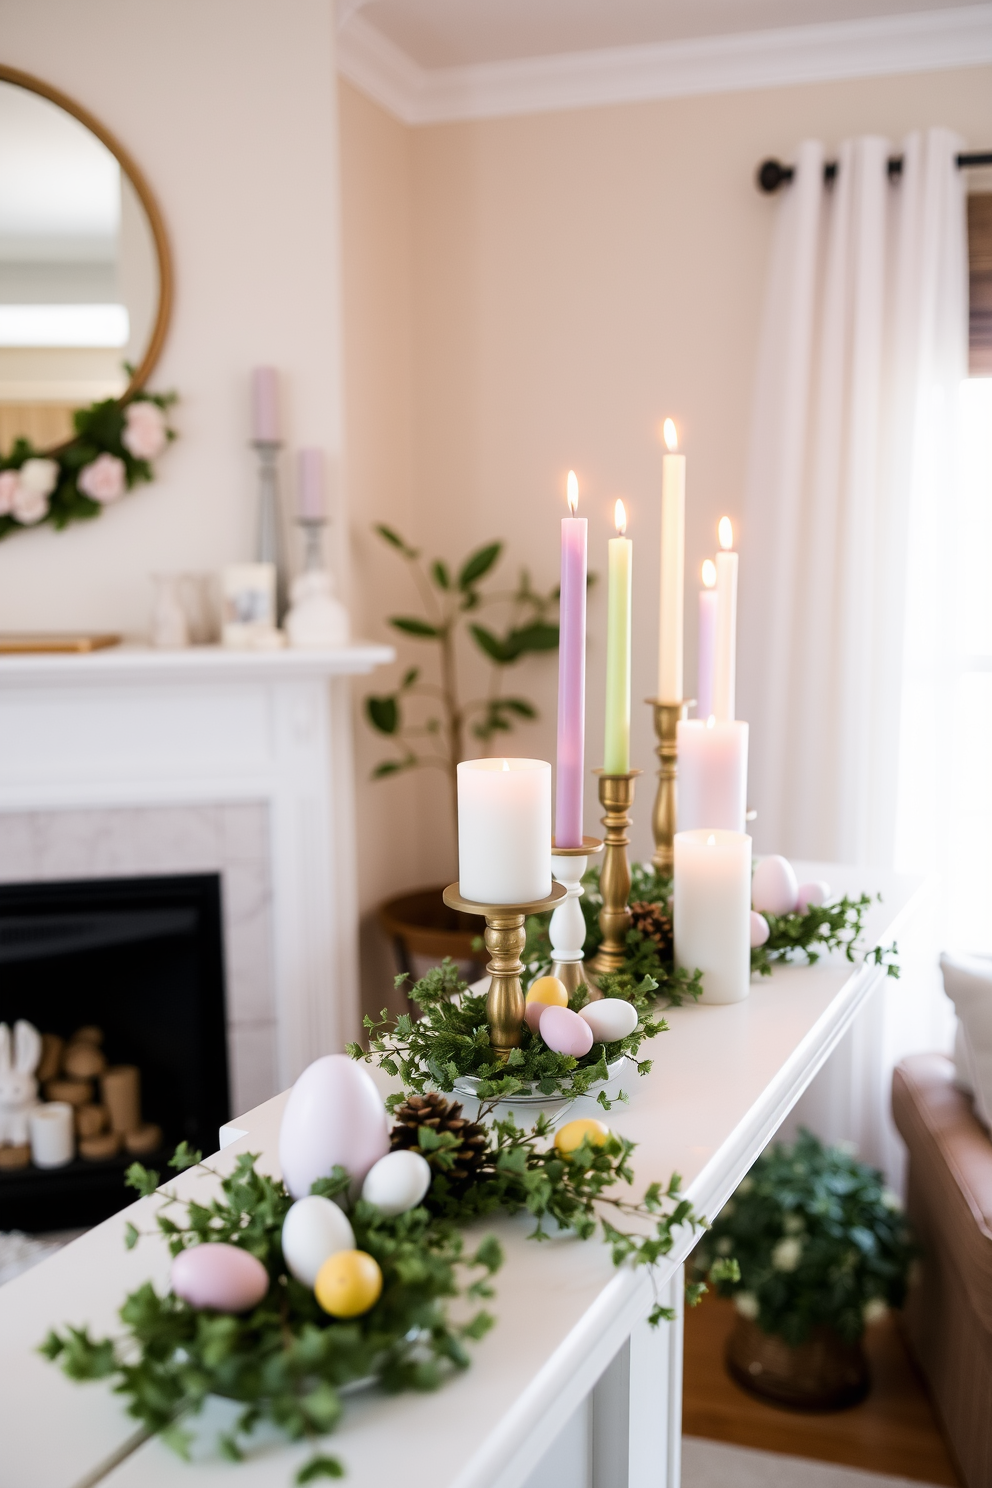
654, 923
442, 1116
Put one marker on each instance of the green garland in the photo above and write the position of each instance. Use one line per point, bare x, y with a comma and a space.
287, 1361
451, 1039
837, 926
100, 429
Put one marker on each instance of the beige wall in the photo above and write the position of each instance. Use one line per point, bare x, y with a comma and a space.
523, 295
229, 108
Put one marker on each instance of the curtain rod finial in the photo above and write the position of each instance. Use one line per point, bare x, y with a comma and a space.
772, 174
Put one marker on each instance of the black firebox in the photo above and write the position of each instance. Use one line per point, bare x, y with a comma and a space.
141, 959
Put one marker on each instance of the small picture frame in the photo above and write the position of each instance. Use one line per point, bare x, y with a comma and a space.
248, 603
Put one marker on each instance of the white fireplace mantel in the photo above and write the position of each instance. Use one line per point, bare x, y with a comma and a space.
137, 728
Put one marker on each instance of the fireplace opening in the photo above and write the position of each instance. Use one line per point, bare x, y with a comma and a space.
124, 981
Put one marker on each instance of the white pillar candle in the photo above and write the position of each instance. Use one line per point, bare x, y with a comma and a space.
711, 911
504, 830
712, 774
53, 1141
672, 570
725, 654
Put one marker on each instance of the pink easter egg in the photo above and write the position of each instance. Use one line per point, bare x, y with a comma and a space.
532, 1014
759, 929
565, 1032
773, 887
221, 1277
816, 892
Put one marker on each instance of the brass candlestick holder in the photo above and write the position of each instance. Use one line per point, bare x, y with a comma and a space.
505, 937
616, 796
664, 818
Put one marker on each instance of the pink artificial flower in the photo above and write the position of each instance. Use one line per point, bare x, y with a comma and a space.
144, 433
103, 480
8, 490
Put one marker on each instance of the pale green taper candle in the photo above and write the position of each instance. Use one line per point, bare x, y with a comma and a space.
616, 749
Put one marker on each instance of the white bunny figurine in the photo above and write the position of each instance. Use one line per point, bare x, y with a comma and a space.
18, 1086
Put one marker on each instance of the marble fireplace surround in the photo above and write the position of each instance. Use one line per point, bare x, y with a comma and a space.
134, 762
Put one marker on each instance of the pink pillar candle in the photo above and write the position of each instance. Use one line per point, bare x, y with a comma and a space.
712, 775
310, 492
265, 406
706, 653
571, 676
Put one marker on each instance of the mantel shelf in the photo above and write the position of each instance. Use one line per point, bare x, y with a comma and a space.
130, 662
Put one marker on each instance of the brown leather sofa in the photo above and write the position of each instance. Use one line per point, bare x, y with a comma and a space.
948, 1315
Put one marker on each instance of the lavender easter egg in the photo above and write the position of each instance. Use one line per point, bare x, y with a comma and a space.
565, 1032
611, 1018
334, 1117
815, 892
221, 1277
759, 929
774, 889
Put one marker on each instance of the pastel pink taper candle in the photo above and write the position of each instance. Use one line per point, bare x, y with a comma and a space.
310, 492
571, 674
265, 405
706, 650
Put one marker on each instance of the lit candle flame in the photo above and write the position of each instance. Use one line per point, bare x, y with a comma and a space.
620, 519
711, 840
709, 572
671, 435
506, 764
573, 493
725, 532
711, 721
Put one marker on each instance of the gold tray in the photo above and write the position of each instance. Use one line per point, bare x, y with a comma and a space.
21, 643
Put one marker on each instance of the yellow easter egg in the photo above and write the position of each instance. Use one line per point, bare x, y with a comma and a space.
548, 990
575, 1133
348, 1283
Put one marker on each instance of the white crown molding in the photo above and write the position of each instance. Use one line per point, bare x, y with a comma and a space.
922, 42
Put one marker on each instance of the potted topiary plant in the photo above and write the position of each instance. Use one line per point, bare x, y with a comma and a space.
823, 1249
433, 726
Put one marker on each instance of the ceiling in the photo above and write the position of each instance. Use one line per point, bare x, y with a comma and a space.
434, 60
459, 33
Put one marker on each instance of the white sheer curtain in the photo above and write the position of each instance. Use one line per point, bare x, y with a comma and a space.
863, 346
846, 566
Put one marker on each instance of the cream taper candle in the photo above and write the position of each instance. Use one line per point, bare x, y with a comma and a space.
725, 654
672, 569
711, 911
504, 830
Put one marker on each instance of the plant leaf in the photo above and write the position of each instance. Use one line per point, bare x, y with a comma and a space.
383, 713
393, 538
480, 563
490, 644
440, 574
410, 625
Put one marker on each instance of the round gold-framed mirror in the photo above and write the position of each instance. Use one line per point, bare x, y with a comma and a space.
86, 276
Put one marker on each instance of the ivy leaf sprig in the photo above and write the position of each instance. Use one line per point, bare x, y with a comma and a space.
451, 1039
286, 1361
837, 926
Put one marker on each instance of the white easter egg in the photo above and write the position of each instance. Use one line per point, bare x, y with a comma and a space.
815, 892
759, 929
773, 888
397, 1182
610, 1018
314, 1229
334, 1116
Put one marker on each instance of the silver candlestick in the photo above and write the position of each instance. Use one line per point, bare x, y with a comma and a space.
271, 548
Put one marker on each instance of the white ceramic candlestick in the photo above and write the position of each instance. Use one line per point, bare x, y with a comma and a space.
53, 1142
712, 774
504, 830
567, 931
711, 911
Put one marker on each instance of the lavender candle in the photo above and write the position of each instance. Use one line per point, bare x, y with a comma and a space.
571, 674
707, 641
265, 406
310, 493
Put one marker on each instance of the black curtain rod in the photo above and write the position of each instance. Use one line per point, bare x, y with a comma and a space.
772, 173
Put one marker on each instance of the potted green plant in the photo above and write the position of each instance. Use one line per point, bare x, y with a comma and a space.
432, 724
823, 1249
